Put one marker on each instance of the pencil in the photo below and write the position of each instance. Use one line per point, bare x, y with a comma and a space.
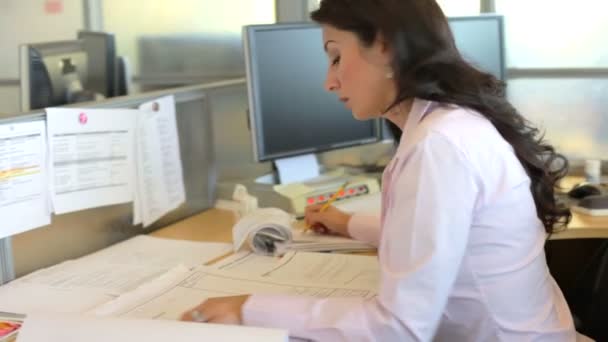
329, 202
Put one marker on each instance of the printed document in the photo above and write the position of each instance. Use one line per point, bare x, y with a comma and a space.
160, 183
146, 250
78, 328
91, 157
24, 202
99, 277
170, 295
26, 298
328, 268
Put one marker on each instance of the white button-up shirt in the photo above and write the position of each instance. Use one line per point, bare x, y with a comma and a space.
459, 244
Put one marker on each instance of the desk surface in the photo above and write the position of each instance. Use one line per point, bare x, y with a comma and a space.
215, 225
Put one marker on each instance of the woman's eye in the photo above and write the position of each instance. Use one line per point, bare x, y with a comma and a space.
335, 61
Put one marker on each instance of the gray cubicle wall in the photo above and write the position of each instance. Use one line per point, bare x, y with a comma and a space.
232, 139
76, 234
215, 145
231, 134
171, 60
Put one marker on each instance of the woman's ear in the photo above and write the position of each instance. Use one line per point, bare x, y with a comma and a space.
383, 50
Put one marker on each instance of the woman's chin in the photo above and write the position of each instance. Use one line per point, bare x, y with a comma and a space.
362, 116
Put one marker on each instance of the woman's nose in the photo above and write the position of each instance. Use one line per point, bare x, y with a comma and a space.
331, 83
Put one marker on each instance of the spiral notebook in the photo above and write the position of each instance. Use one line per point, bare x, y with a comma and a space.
271, 231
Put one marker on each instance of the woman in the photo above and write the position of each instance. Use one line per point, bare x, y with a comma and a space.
466, 202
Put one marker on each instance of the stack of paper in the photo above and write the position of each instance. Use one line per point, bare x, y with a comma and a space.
83, 284
328, 268
304, 274
270, 231
77, 328
169, 297
160, 183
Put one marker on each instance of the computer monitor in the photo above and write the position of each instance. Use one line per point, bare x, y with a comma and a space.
480, 41
290, 113
52, 73
58, 73
102, 67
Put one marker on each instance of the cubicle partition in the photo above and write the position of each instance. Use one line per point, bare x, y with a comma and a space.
215, 146
79, 233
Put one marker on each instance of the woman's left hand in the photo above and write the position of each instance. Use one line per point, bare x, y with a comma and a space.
224, 310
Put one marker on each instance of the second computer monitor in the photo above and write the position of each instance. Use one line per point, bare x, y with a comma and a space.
480, 41
49, 71
64, 72
290, 111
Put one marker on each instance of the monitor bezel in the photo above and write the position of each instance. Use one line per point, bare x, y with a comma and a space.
259, 153
501, 31
45, 50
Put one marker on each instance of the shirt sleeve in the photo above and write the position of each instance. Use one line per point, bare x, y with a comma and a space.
365, 227
430, 204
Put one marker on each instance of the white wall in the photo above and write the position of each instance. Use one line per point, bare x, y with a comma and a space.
9, 100
32, 21
130, 19
27, 21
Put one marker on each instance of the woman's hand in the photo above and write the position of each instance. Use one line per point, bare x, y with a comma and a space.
224, 310
330, 221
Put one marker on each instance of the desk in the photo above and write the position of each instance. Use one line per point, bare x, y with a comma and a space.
215, 225
584, 227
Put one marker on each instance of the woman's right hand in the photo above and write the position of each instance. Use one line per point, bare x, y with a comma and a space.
330, 221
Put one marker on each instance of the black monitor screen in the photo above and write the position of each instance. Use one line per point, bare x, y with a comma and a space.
290, 111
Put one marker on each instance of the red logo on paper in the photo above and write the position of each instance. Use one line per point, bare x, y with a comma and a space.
83, 118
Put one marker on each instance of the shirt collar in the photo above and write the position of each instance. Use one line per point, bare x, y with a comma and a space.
419, 109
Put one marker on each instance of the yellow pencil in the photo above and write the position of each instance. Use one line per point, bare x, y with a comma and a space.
329, 202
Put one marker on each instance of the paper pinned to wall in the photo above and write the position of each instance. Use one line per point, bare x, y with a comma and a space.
91, 157
160, 183
24, 194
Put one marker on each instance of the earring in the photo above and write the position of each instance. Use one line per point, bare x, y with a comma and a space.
389, 74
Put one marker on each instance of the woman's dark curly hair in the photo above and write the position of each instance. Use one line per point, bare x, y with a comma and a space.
427, 65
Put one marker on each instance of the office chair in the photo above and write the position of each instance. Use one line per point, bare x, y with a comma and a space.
589, 301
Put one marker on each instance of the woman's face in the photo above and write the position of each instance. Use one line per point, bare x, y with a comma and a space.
359, 75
